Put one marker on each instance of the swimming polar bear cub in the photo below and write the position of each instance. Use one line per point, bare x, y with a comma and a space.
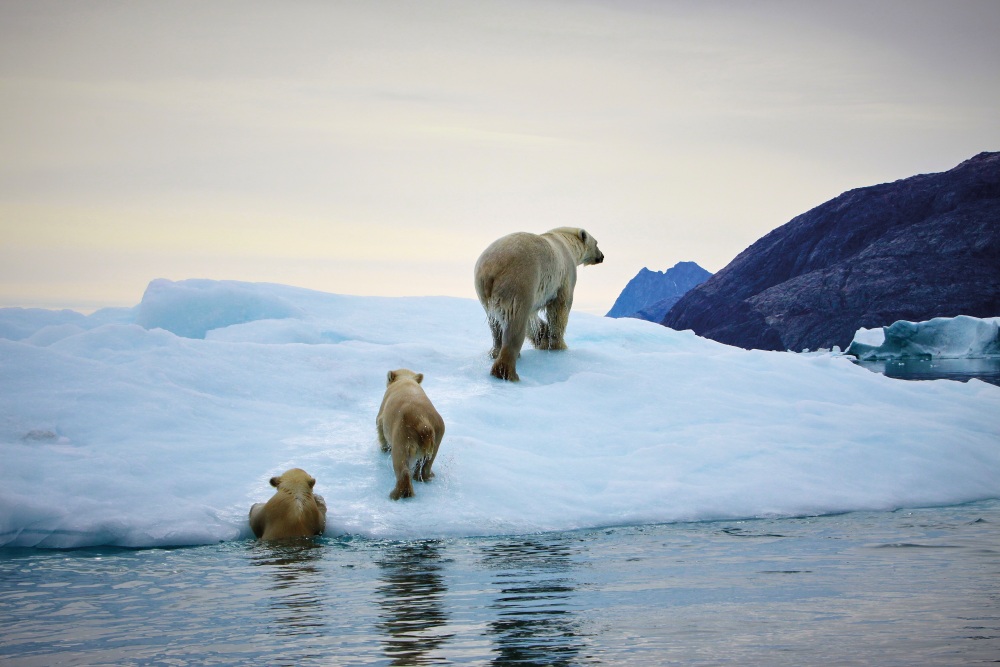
408, 424
522, 273
293, 511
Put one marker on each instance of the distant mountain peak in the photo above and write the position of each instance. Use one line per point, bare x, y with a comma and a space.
650, 294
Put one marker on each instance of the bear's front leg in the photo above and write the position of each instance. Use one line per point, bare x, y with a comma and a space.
257, 519
540, 334
381, 435
557, 316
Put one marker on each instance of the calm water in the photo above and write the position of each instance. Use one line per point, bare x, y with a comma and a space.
911, 587
987, 370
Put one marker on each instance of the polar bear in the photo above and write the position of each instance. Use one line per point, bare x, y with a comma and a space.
522, 273
293, 511
408, 424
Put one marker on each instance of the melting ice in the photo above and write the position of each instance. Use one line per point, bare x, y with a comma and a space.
161, 424
961, 337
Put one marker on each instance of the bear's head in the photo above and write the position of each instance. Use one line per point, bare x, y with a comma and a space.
403, 374
586, 245
591, 254
295, 479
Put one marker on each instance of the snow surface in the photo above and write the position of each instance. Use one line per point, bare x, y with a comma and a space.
117, 434
961, 337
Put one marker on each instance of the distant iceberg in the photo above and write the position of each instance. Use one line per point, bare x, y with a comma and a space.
961, 337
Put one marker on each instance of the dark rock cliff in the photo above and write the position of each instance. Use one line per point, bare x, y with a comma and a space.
650, 294
922, 247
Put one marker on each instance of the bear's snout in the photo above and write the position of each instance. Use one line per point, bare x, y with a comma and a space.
599, 258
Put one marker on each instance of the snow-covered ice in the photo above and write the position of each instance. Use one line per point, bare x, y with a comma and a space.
161, 424
959, 337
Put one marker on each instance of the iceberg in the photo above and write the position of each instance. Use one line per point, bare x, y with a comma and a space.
161, 424
960, 337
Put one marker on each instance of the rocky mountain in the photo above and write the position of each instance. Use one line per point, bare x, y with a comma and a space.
650, 294
919, 248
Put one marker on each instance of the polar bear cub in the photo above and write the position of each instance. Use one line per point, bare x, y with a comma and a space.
293, 511
408, 424
519, 275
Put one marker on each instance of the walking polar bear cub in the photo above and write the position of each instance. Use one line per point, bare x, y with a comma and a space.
293, 511
519, 275
408, 424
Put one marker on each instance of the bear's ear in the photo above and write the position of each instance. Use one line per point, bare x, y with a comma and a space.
419, 377
390, 377
583, 235
275, 481
312, 482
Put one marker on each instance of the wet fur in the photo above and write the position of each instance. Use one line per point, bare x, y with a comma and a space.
408, 425
293, 511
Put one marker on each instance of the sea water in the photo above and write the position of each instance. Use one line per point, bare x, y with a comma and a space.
907, 587
986, 369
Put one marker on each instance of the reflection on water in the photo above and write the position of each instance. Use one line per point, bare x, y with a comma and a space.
909, 588
410, 596
296, 604
534, 609
987, 370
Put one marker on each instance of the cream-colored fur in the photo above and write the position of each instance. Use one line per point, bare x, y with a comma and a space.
293, 511
519, 275
408, 424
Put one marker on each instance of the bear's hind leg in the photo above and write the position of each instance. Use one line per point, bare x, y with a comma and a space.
424, 473
404, 489
505, 366
401, 466
404, 486
497, 332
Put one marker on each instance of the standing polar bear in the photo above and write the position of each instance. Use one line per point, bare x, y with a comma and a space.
408, 424
522, 273
293, 511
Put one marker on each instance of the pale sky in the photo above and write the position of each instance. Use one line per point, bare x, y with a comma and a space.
376, 148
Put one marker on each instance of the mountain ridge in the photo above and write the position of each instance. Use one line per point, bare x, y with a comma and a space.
914, 249
650, 294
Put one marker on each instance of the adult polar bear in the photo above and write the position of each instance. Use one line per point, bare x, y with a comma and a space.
522, 273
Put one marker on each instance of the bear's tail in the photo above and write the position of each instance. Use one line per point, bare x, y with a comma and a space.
426, 435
